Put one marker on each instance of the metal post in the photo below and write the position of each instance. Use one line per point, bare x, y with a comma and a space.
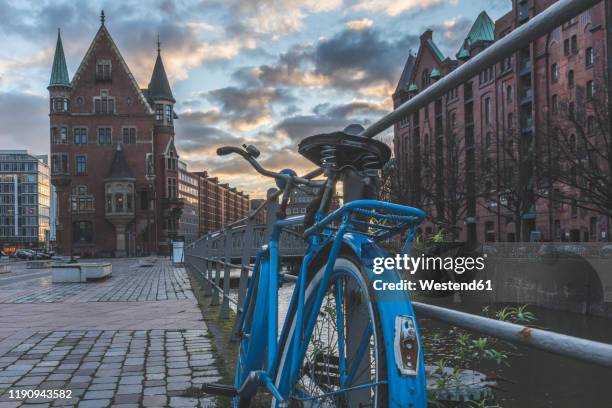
227, 258
217, 252
247, 244
207, 271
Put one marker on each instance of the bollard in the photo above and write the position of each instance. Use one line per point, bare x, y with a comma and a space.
207, 271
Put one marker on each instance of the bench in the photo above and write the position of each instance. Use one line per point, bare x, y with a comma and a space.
81, 272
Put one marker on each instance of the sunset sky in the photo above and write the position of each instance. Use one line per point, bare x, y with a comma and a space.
267, 72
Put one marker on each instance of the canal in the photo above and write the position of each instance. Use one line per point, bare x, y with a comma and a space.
533, 379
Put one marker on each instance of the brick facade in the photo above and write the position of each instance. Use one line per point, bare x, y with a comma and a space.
485, 119
100, 112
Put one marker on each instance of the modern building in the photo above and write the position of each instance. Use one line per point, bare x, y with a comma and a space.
113, 159
474, 158
219, 203
25, 201
189, 221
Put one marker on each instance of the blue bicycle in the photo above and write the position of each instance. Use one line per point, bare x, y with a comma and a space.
342, 342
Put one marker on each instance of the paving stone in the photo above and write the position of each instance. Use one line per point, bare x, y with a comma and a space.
98, 394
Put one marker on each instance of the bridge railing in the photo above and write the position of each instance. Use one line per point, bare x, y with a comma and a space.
212, 254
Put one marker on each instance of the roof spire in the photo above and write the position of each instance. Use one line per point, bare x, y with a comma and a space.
59, 71
102, 17
158, 44
159, 86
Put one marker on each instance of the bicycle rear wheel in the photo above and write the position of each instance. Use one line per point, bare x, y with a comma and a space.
344, 363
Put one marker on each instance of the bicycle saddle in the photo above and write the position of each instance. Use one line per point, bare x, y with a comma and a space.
342, 149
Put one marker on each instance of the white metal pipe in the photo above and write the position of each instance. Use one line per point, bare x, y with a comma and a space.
574, 347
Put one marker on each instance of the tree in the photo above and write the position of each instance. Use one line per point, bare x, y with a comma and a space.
579, 158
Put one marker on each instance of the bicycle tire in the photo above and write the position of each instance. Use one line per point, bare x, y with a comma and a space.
351, 265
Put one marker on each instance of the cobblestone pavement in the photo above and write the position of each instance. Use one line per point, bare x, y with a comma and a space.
136, 339
130, 283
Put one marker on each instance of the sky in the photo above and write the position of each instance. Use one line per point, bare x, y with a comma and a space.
262, 72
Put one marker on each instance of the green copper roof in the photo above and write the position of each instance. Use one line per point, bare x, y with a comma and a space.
59, 72
413, 88
463, 54
482, 30
435, 74
436, 50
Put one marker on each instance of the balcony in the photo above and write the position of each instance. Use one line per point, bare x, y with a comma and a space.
527, 97
525, 68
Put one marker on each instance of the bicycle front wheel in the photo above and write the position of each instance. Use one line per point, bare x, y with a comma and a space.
344, 364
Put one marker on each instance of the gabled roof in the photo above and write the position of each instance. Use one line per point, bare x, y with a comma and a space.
483, 30
159, 87
119, 166
406, 73
436, 50
59, 72
103, 32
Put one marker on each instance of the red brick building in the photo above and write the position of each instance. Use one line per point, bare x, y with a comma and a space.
219, 203
113, 159
473, 159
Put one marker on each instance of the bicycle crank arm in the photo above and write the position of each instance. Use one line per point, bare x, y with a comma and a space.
221, 390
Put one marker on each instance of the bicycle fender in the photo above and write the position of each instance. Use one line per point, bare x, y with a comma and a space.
404, 390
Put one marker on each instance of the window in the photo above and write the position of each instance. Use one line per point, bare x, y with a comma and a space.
589, 57
103, 70
105, 135
453, 119
159, 112
169, 114
487, 111
554, 72
570, 78
574, 209
571, 110
566, 47
590, 89
171, 161
590, 127
104, 104
81, 165
509, 94
574, 44
129, 135
59, 135
554, 103
59, 163
488, 139
425, 78
82, 232
80, 135
60, 104
593, 228
510, 120
171, 193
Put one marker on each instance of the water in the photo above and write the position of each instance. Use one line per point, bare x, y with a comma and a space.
535, 379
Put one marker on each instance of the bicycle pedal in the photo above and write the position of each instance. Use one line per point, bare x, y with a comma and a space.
222, 390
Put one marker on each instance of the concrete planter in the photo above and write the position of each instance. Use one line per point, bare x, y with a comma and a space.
39, 264
70, 273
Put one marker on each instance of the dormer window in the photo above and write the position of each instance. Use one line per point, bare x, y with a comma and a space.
159, 112
60, 104
103, 70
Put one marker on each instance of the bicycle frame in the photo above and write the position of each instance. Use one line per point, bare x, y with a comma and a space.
266, 272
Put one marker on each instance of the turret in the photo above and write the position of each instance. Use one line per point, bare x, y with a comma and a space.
160, 94
59, 83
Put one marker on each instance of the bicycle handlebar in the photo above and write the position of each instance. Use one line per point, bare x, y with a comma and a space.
225, 150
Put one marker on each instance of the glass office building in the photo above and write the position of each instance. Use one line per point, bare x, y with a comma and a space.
25, 200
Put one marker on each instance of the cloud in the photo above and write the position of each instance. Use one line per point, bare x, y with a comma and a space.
450, 33
25, 122
277, 18
395, 7
248, 108
351, 109
359, 24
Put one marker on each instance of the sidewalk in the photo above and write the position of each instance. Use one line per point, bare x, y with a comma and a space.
136, 339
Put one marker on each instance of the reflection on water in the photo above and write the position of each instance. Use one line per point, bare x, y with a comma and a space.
535, 378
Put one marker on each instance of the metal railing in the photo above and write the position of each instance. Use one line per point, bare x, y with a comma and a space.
213, 252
